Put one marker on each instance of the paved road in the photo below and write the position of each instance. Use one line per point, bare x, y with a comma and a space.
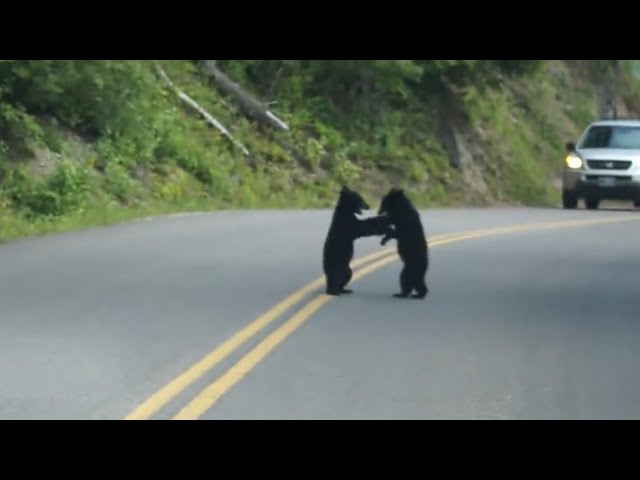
536, 324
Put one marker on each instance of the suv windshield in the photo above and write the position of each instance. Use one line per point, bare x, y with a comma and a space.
606, 136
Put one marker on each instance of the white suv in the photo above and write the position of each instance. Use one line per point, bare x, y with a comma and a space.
604, 165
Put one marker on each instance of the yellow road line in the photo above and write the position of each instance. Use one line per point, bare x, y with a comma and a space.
163, 396
167, 393
211, 394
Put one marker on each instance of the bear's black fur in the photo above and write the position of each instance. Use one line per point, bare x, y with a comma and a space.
412, 244
344, 230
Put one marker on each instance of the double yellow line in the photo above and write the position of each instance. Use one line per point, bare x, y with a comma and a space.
210, 395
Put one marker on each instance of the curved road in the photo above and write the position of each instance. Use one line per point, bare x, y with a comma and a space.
138, 321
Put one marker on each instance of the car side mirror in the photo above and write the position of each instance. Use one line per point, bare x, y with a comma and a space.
570, 147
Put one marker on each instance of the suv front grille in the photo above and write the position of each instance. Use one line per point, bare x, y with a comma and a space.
609, 164
617, 177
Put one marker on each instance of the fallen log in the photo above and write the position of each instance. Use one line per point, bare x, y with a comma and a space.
210, 118
251, 106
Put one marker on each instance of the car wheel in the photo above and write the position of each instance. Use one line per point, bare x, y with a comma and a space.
592, 203
569, 200
636, 203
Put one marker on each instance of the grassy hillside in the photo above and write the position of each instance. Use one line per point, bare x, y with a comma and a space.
93, 142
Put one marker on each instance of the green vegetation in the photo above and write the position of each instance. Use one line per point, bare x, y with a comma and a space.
94, 142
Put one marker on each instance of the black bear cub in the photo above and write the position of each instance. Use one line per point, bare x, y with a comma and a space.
412, 244
344, 230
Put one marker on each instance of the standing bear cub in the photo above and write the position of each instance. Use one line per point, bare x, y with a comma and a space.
344, 230
412, 244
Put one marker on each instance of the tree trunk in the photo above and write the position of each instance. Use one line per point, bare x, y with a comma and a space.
615, 87
609, 99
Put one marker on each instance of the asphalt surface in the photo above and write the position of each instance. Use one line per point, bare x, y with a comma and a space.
541, 324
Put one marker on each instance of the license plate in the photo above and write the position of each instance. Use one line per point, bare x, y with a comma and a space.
606, 182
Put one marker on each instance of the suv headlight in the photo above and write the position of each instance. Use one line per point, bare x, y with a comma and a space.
573, 161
